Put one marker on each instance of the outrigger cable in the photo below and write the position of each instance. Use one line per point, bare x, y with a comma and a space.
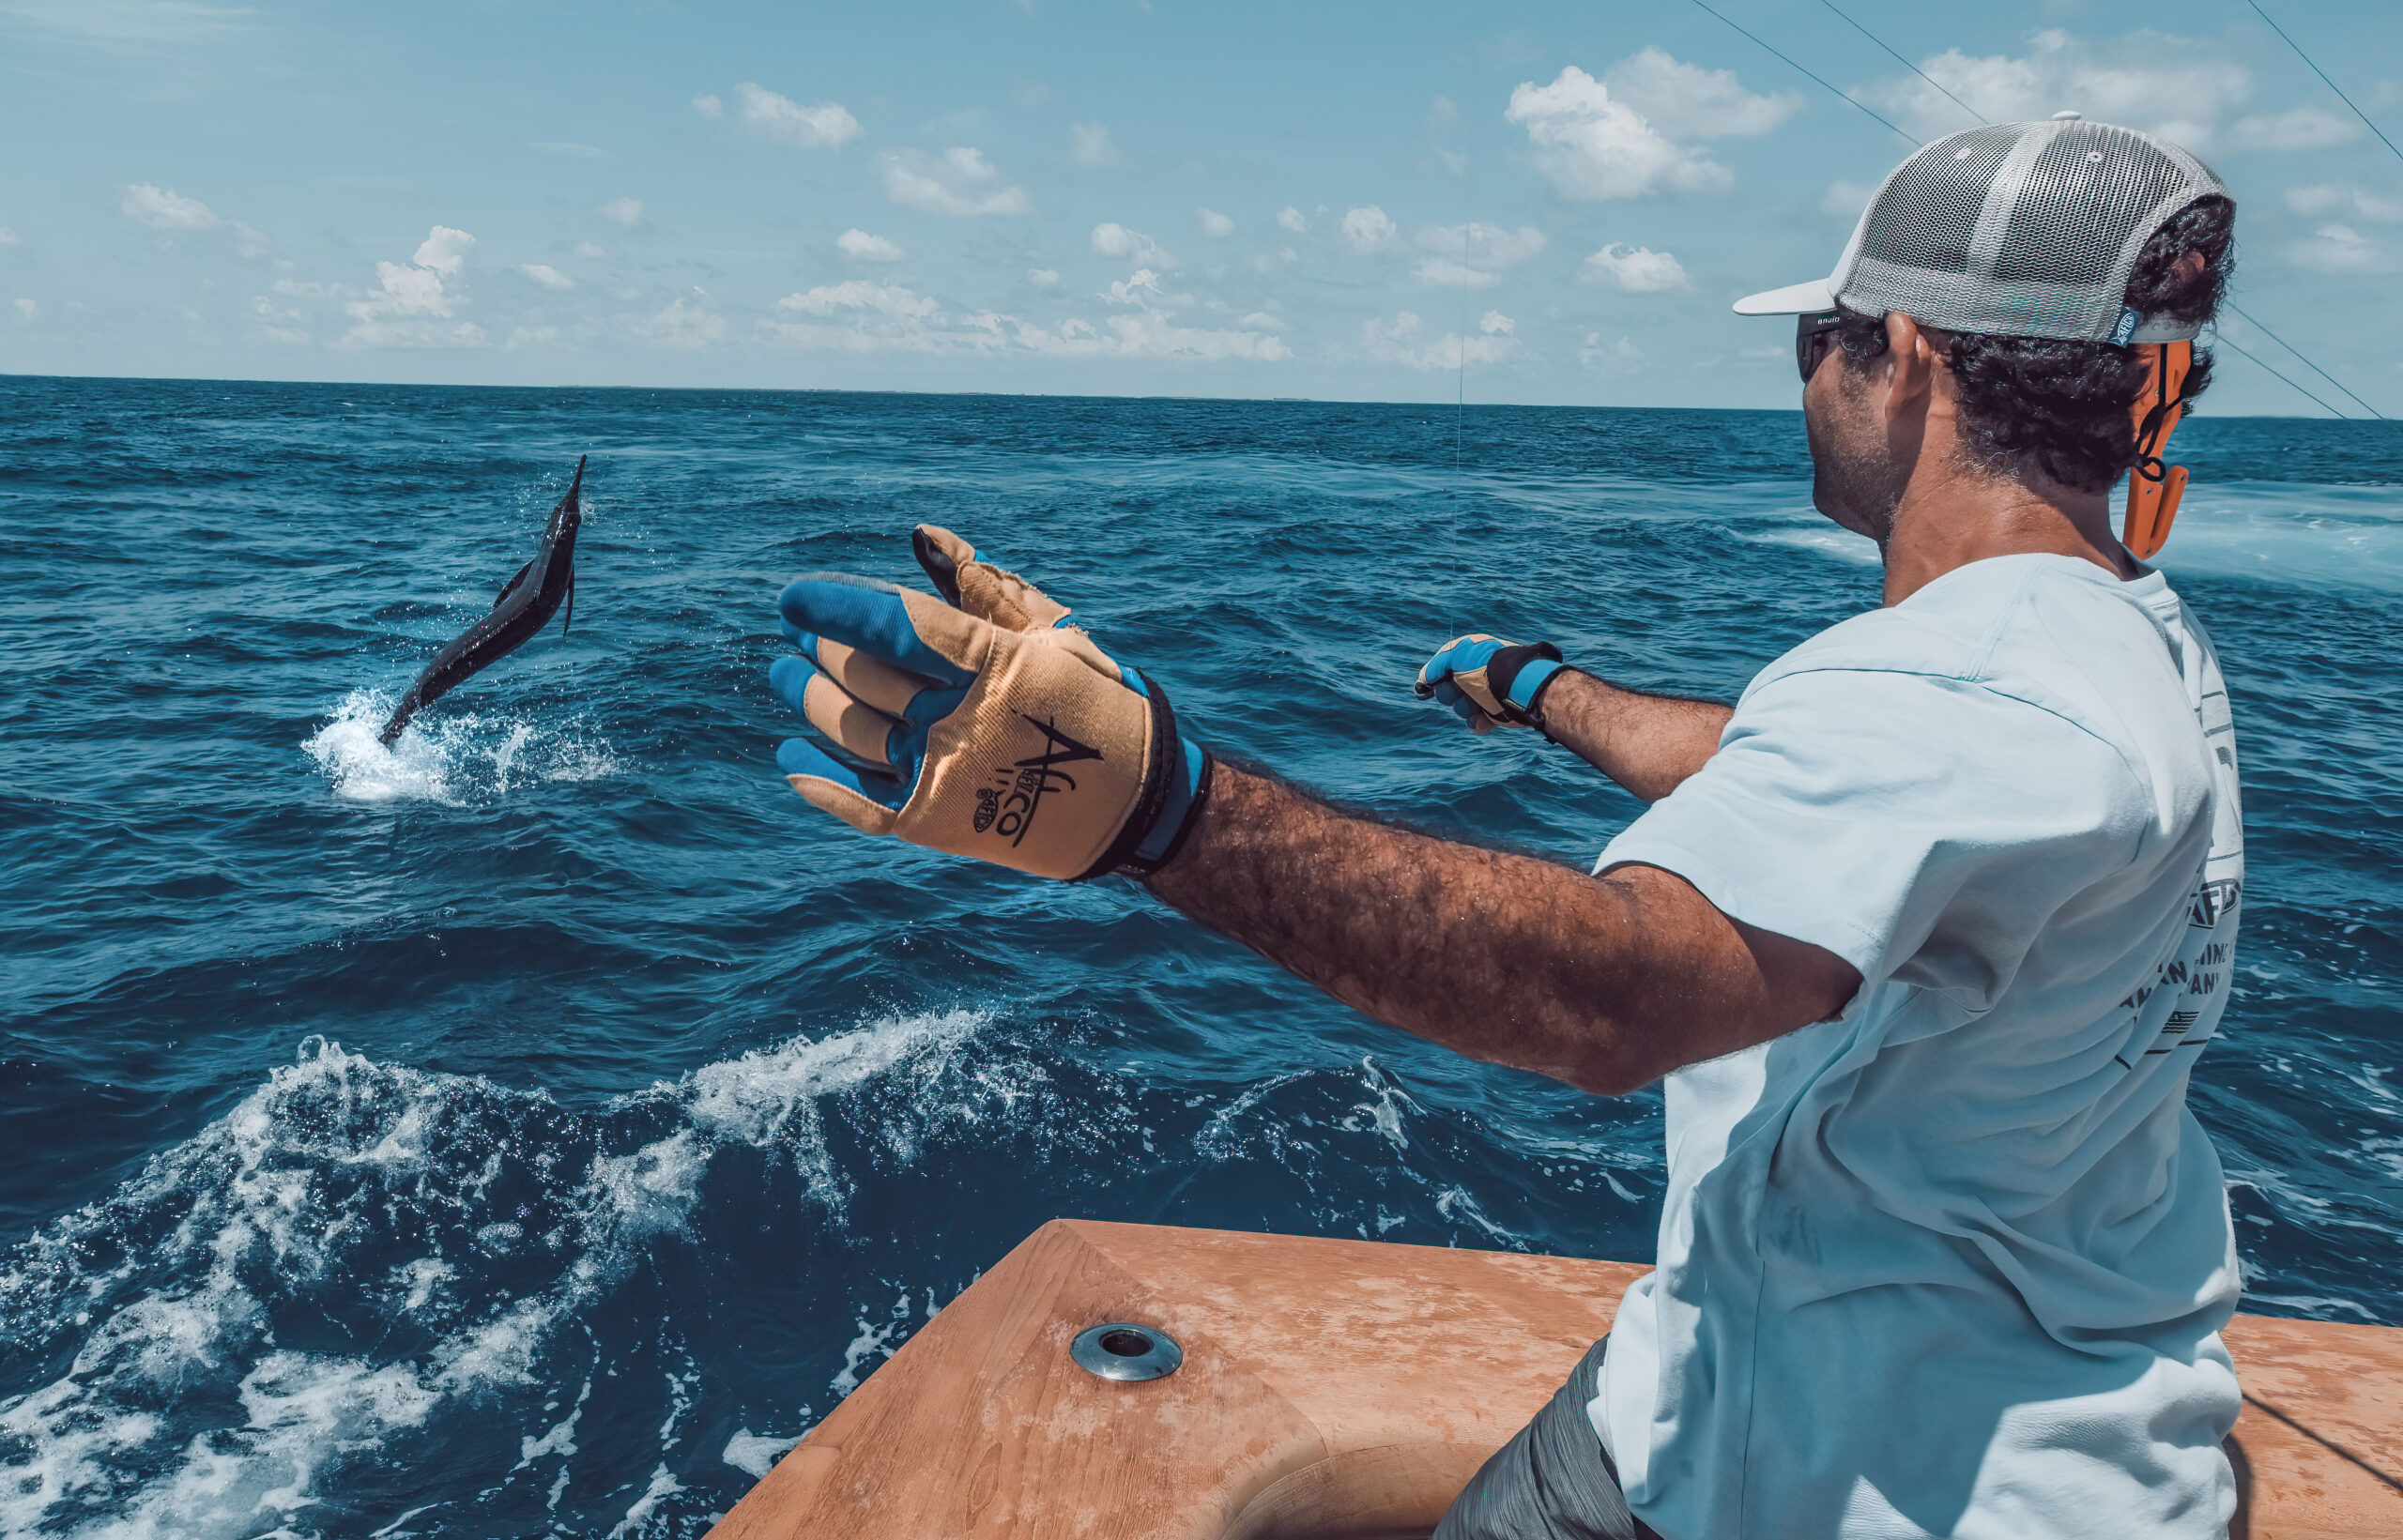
2220, 338
1798, 70
2308, 363
1903, 62
2333, 86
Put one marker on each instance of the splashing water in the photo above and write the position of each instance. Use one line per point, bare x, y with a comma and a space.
454, 757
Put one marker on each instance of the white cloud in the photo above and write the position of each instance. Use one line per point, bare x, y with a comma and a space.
163, 210
683, 326
1845, 200
1590, 144
414, 304
960, 181
1260, 321
590, 252
2339, 249
280, 324
1090, 145
1139, 288
1398, 342
861, 246
2304, 129
709, 105
1685, 101
1043, 278
1471, 255
1290, 218
8, 237
1366, 228
788, 122
547, 276
2357, 202
131, 24
571, 149
522, 337
27, 309
2167, 85
247, 241
1446, 274
1638, 269
1116, 241
1621, 356
1214, 224
444, 251
860, 296
623, 212
860, 317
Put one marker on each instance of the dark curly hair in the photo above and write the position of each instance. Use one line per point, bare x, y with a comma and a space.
2063, 410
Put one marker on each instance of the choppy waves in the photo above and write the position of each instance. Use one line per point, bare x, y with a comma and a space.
358, 1252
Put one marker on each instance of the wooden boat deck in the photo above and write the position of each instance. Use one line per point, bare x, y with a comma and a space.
1349, 1388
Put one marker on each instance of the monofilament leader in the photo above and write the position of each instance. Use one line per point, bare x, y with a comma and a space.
1925, 933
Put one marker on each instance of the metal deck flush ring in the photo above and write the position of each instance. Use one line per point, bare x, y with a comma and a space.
1118, 1349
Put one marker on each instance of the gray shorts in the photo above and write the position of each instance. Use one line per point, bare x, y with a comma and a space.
1552, 1480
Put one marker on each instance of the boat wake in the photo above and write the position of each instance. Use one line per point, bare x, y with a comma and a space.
359, 1254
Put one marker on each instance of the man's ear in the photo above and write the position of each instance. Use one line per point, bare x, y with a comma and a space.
1910, 364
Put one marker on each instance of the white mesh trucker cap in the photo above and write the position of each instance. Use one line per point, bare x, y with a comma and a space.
2013, 229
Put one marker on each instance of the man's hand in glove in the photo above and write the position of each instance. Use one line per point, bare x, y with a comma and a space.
982, 723
1490, 682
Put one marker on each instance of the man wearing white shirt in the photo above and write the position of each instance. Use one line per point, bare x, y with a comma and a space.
1925, 934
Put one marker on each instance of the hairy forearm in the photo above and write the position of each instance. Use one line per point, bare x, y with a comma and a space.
1604, 982
1647, 744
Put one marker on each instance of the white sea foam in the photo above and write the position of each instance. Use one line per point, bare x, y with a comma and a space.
169, 1290
2275, 532
452, 757
755, 1453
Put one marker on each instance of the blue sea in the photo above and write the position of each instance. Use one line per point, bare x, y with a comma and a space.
534, 1130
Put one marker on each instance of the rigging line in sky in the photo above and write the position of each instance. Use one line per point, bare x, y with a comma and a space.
2333, 86
1798, 70
1982, 118
2308, 363
1903, 62
2220, 338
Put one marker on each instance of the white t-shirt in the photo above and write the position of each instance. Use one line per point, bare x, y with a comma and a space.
1955, 1262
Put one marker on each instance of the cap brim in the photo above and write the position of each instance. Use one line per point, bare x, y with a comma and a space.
1794, 299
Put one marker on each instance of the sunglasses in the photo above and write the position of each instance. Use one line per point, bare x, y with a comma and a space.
1815, 334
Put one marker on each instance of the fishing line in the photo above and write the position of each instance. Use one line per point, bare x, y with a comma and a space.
2219, 336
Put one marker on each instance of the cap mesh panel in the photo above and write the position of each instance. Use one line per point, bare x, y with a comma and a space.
1929, 212
2077, 202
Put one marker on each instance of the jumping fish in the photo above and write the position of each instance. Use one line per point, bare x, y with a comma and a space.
525, 606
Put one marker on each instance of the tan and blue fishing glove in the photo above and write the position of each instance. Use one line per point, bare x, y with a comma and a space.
1489, 683
982, 723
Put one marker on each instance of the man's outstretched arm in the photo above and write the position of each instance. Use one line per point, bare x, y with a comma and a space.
1604, 982
1647, 744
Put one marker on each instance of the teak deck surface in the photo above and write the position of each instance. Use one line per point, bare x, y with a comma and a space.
1349, 1388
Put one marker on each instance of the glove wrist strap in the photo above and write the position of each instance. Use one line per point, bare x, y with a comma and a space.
1174, 787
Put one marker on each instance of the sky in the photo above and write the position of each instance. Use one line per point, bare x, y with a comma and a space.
1539, 203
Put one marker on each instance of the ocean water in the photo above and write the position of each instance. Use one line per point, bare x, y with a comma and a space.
535, 1130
